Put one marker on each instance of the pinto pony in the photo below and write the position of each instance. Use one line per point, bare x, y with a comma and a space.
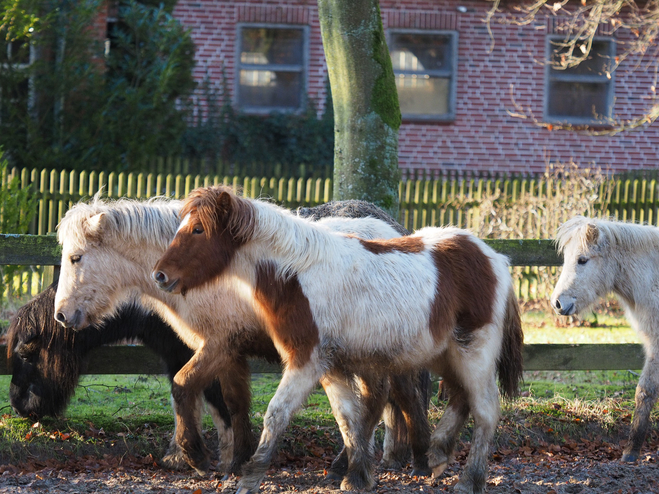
602, 257
46, 361
439, 299
108, 251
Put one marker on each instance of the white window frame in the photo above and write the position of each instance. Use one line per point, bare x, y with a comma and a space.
451, 74
301, 68
552, 75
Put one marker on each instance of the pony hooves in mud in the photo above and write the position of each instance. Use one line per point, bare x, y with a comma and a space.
108, 252
439, 299
602, 257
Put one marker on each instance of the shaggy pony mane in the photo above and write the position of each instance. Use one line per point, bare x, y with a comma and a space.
616, 234
299, 241
125, 219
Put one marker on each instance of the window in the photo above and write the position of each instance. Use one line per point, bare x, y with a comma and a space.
583, 94
425, 64
271, 68
15, 85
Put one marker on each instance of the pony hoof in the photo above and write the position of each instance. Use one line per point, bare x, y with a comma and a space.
629, 457
356, 483
332, 475
422, 472
439, 469
174, 461
244, 490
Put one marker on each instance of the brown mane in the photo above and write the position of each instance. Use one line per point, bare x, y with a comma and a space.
218, 206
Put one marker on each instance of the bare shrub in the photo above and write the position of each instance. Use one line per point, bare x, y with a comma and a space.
564, 191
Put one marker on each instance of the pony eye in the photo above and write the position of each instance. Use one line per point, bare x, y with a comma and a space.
74, 259
582, 260
198, 230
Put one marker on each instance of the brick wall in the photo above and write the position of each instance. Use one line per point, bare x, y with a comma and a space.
483, 136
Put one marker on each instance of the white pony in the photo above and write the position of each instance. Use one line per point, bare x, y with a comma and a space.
439, 299
602, 257
108, 251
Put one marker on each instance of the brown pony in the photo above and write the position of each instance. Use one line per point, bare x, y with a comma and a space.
439, 299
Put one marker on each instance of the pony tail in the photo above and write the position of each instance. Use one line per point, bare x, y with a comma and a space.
510, 361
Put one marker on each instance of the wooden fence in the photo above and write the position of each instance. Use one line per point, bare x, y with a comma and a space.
422, 202
44, 250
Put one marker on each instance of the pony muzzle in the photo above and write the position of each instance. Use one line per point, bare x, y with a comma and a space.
74, 322
564, 306
163, 281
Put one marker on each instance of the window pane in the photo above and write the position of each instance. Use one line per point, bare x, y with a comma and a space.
270, 89
272, 46
422, 52
423, 95
597, 63
577, 100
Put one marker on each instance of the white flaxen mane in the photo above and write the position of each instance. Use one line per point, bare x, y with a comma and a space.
298, 242
615, 234
124, 220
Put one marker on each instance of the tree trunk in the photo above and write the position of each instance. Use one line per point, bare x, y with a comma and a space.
366, 110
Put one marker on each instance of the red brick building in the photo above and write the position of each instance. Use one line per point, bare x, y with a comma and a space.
455, 91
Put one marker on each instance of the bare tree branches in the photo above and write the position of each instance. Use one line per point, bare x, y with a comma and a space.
636, 26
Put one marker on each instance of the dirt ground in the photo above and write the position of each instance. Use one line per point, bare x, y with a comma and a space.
572, 468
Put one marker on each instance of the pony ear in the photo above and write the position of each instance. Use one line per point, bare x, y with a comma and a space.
592, 234
94, 225
224, 202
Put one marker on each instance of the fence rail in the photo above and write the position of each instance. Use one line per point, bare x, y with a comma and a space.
30, 249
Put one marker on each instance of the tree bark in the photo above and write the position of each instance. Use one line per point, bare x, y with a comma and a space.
365, 101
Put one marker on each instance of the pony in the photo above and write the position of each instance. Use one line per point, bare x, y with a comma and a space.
439, 299
46, 361
601, 257
108, 251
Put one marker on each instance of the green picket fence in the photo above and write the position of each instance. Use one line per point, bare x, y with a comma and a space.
422, 202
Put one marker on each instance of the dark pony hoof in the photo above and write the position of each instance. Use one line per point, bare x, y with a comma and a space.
630, 457
333, 475
200, 465
357, 482
421, 472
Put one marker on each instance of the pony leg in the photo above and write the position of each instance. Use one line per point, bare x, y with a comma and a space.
446, 434
174, 457
196, 375
357, 420
295, 386
646, 395
237, 393
472, 384
395, 447
408, 393
222, 420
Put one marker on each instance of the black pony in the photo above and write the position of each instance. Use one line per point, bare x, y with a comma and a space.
47, 359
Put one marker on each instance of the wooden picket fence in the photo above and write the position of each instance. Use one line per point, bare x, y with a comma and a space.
422, 202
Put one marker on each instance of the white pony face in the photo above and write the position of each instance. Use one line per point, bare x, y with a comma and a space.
583, 278
88, 279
